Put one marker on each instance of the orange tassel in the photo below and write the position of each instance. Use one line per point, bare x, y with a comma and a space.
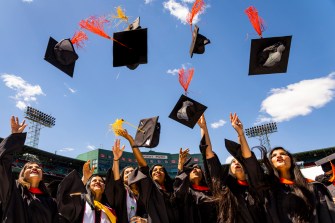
196, 8
256, 21
185, 78
333, 176
95, 25
78, 38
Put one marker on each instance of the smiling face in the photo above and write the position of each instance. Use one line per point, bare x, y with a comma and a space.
126, 173
32, 172
97, 184
280, 160
158, 175
196, 175
237, 170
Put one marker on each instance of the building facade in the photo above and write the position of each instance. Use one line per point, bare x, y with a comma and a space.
102, 160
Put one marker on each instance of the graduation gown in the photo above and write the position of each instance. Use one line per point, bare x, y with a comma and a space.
17, 203
71, 198
325, 180
196, 205
118, 193
160, 205
280, 202
248, 210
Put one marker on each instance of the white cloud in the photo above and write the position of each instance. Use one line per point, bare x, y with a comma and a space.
173, 72
28, 1
218, 124
298, 99
91, 147
25, 92
180, 10
229, 159
148, 1
66, 150
72, 90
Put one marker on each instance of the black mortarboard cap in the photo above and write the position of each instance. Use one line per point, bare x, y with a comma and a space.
134, 48
187, 111
148, 133
269, 55
198, 42
62, 55
325, 162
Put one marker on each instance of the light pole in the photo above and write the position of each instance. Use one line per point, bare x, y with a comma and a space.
262, 132
37, 119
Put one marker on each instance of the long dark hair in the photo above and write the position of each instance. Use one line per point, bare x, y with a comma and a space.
89, 196
168, 182
300, 188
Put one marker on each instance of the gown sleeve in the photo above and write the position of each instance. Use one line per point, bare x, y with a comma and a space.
13, 143
325, 207
69, 201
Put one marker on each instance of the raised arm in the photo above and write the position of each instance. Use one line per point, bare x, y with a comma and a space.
16, 126
136, 151
87, 172
204, 132
182, 158
238, 126
117, 153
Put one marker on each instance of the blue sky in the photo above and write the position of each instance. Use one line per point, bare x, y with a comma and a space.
300, 101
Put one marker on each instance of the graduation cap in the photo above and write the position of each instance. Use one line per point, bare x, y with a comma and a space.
187, 111
326, 162
134, 48
269, 55
62, 55
148, 133
198, 42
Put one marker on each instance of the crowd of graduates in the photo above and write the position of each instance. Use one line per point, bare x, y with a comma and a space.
271, 191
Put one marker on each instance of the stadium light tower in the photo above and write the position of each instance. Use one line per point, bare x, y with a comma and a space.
37, 119
262, 132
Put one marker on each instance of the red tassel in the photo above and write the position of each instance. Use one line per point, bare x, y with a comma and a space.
256, 21
95, 25
78, 38
196, 8
185, 78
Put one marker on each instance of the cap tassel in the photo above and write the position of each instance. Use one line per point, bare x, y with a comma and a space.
117, 126
120, 15
332, 179
197, 7
95, 25
78, 39
185, 78
256, 21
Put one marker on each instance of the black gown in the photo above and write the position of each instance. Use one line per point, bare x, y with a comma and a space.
118, 193
17, 203
196, 206
71, 199
160, 205
249, 209
281, 204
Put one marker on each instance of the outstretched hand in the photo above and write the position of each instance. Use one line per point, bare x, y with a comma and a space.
202, 121
183, 156
124, 134
16, 126
117, 151
87, 171
236, 123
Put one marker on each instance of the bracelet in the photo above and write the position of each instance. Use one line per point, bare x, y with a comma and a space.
116, 160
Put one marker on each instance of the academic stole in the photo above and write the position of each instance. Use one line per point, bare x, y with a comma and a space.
89, 215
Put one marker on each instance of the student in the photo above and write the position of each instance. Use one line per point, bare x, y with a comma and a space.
126, 198
84, 200
237, 202
155, 187
192, 193
25, 200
